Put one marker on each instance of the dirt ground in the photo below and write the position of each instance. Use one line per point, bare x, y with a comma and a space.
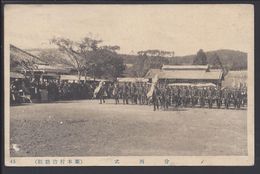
86, 128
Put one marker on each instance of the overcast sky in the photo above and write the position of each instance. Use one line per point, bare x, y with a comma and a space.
183, 29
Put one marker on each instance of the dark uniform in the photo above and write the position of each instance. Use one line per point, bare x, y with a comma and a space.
210, 97
226, 98
237, 98
202, 93
218, 95
155, 98
116, 93
125, 90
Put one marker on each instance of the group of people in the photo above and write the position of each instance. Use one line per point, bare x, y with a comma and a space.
192, 96
162, 96
25, 90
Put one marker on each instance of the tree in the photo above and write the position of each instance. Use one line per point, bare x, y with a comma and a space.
200, 59
87, 57
74, 51
148, 59
104, 63
216, 63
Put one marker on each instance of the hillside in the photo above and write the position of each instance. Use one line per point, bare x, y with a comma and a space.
231, 59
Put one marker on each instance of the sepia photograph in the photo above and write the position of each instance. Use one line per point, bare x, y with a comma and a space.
130, 85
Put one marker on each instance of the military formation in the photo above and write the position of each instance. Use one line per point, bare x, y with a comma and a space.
160, 95
164, 96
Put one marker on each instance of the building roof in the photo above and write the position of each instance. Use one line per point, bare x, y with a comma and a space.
191, 74
185, 74
19, 55
185, 67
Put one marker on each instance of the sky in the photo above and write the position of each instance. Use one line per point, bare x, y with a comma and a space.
183, 29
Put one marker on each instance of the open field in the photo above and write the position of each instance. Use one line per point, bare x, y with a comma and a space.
86, 128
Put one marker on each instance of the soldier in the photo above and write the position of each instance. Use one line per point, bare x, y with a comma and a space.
202, 97
237, 98
177, 98
128, 92
102, 94
162, 96
218, 95
155, 98
168, 97
145, 91
116, 93
194, 96
182, 96
226, 98
189, 95
125, 93
186, 96
244, 96
210, 97
139, 94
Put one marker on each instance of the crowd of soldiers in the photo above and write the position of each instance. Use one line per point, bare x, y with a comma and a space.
163, 96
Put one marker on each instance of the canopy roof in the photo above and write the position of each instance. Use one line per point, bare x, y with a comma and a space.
191, 75
132, 80
185, 67
185, 74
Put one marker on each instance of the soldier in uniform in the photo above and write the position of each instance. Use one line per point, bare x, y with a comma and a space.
138, 94
177, 97
226, 98
116, 93
202, 97
145, 94
210, 97
189, 96
194, 96
218, 95
162, 96
244, 96
168, 96
125, 93
237, 98
102, 94
182, 96
155, 98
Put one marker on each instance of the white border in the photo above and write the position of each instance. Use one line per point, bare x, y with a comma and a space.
133, 160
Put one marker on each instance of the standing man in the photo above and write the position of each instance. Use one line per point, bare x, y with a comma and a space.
125, 93
116, 93
218, 95
155, 98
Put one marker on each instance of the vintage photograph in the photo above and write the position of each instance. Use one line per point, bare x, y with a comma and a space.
129, 84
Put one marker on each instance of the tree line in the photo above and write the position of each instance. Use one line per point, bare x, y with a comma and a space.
90, 57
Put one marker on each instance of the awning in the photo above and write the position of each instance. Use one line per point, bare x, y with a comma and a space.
132, 80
